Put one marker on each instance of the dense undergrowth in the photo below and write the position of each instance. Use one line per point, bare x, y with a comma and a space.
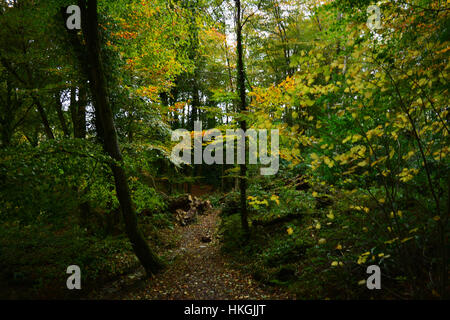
317, 244
34, 258
58, 208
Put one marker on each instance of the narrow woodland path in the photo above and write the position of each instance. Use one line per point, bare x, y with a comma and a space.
198, 271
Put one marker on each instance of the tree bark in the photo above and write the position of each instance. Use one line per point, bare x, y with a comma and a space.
78, 111
74, 111
243, 109
81, 112
6, 118
151, 263
44, 119
59, 111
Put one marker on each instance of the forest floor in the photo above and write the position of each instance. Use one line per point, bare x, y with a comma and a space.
196, 271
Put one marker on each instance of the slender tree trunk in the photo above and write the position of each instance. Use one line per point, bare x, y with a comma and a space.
74, 111
44, 119
59, 111
233, 106
6, 118
243, 109
78, 111
78, 114
81, 112
194, 56
148, 259
194, 116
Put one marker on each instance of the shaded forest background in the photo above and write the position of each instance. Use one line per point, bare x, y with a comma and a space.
86, 117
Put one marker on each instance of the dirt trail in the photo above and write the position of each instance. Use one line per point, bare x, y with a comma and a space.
199, 271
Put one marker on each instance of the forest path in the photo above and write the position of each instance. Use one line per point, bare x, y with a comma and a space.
198, 271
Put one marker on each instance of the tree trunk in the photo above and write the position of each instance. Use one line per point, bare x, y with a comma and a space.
98, 86
74, 111
78, 111
6, 119
59, 111
243, 123
44, 119
81, 112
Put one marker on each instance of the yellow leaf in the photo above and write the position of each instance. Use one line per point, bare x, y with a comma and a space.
275, 198
391, 241
362, 259
347, 139
356, 138
329, 162
362, 163
391, 154
406, 239
330, 215
434, 292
